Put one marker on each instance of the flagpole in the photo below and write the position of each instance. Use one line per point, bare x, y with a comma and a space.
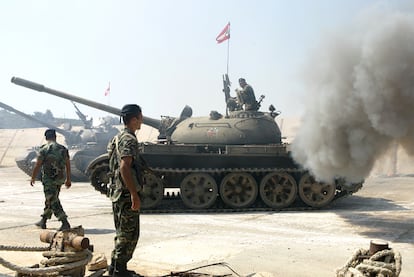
109, 93
225, 35
228, 55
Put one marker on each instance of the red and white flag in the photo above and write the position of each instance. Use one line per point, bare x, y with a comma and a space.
224, 35
108, 90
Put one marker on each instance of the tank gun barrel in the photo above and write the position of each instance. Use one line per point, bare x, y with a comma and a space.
87, 123
155, 123
65, 133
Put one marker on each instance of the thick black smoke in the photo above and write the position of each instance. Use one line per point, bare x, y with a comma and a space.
360, 98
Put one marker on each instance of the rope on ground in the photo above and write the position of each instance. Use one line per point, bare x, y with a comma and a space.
23, 248
65, 261
384, 263
187, 272
60, 258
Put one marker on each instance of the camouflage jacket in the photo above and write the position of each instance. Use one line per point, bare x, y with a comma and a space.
248, 96
53, 156
125, 144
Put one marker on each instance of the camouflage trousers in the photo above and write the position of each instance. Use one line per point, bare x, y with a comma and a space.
127, 229
52, 202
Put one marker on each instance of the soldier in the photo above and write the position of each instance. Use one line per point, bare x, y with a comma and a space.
246, 96
126, 203
53, 159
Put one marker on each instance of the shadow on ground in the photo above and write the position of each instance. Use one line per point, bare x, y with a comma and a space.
99, 231
377, 218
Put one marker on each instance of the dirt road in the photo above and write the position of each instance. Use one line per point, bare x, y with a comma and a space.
311, 243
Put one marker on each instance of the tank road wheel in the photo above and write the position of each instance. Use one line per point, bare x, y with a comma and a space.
198, 191
99, 178
315, 194
238, 190
152, 192
278, 190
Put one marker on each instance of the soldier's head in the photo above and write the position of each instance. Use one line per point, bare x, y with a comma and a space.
132, 116
242, 82
50, 134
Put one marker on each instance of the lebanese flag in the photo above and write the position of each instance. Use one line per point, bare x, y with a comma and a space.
224, 35
108, 90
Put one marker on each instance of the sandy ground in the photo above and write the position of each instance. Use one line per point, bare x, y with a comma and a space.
311, 243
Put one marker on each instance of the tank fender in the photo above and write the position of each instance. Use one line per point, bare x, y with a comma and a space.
98, 160
343, 185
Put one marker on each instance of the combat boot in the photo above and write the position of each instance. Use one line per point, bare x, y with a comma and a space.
41, 223
120, 270
111, 267
65, 225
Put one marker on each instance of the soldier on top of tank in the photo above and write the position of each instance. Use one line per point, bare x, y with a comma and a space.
246, 97
53, 159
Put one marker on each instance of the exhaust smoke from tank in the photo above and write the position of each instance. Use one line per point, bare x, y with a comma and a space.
360, 98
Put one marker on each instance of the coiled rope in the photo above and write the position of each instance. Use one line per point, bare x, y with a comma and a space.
54, 264
384, 263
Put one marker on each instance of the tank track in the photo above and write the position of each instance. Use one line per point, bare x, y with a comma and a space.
172, 202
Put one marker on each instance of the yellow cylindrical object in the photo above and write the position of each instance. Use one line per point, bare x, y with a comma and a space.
47, 236
79, 243
72, 240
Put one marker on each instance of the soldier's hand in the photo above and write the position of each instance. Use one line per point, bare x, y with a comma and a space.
68, 183
136, 202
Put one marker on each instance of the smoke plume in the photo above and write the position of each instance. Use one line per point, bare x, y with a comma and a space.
360, 98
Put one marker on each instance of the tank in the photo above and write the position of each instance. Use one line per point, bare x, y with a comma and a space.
84, 145
236, 161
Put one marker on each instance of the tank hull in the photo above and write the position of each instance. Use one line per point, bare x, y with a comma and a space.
192, 157
27, 161
80, 158
237, 176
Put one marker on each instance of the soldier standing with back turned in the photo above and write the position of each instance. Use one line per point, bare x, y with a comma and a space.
126, 203
53, 159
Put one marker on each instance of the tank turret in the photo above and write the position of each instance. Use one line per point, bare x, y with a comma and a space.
234, 161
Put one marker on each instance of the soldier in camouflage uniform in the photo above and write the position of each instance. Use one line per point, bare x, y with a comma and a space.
246, 96
53, 159
126, 203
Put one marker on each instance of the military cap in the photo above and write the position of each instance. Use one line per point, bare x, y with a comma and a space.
130, 109
242, 80
50, 133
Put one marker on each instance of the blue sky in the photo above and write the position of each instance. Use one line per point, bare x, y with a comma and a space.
162, 54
